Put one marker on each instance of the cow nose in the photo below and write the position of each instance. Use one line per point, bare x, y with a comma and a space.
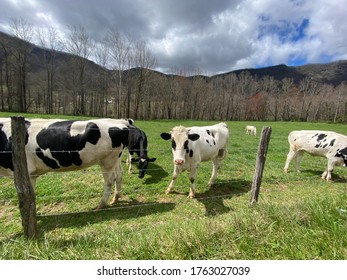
179, 161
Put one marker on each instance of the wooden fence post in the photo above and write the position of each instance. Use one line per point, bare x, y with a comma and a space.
25, 191
260, 163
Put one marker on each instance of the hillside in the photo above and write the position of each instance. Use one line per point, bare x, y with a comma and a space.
330, 73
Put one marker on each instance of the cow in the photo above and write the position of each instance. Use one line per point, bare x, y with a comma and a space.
192, 145
67, 145
327, 144
251, 130
138, 145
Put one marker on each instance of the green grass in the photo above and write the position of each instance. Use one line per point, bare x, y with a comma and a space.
298, 216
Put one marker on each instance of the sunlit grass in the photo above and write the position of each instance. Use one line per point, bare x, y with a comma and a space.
298, 215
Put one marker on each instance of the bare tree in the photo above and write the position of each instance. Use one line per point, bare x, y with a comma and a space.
50, 43
79, 44
119, 47
101, 55
143, 60
22, 30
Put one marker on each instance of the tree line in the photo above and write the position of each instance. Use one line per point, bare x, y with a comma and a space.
59, 78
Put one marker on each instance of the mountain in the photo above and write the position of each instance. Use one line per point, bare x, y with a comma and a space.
329, 73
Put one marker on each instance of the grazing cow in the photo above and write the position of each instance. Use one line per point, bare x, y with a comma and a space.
67, 145
251, 130
192, 145
138, 145
327, 144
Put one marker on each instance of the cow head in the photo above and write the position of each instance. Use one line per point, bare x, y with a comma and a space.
142, 164
342, 154
180, 137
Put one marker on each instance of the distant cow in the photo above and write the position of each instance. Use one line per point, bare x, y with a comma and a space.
251, 130
327, 144
67, 145
192, 145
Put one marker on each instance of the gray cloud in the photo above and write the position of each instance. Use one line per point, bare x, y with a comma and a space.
212, 36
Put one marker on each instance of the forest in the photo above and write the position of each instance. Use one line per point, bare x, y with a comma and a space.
42, 72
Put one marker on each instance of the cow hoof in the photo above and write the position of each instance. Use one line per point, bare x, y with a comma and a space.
191, 196
115, 199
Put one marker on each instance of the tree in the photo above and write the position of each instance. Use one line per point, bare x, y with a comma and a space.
23, 31
143, 60
119, 47
79, 44
50, 42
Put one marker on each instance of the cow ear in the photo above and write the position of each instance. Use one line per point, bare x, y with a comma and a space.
165, 136
193, 137
152, 159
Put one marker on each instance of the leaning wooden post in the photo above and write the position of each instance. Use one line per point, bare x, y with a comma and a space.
25, 191
260, 163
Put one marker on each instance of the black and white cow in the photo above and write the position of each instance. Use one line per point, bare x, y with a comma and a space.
192, 145
138, 145
327, 144
67, 145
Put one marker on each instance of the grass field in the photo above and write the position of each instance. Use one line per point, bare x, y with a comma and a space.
298, 216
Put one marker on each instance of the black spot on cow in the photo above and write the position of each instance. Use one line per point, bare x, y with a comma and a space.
5, 149
173, 144
118, 136
317, 145
191, 153
325, 145
65, 148
6, 146
321, 137
208, 142
343, 154
185, 146
332, 142
208, 132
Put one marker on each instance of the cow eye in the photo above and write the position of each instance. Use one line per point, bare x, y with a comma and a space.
173, 144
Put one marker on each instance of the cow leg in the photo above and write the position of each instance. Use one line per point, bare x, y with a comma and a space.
112, 176
33, 181
216, 162
192, 177
118, 178
128, 162
109, 179
327, 173
174, 177
290, 157
298, 159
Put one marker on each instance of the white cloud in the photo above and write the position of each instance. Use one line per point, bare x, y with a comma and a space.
213, 36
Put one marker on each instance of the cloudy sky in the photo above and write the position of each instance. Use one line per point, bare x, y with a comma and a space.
212, 36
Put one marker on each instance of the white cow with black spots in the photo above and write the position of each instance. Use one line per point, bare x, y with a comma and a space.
192, 145
327, 144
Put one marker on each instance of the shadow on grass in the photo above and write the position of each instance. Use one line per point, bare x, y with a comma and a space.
318, 173
154, 173
214, 197
134, 209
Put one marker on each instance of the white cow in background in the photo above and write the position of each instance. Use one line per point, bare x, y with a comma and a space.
251, 130
327, 144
